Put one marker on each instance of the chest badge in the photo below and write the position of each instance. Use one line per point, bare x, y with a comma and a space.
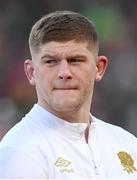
127, 162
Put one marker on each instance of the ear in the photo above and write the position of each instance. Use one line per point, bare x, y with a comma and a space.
101, 66
29, 71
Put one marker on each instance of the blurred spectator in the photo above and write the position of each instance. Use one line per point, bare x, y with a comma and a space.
17, 88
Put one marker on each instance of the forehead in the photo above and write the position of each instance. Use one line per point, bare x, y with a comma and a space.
54, 48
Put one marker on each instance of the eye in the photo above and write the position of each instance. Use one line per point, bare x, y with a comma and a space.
75, 61
51, 61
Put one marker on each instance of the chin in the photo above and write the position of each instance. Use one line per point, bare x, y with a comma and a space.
66, 107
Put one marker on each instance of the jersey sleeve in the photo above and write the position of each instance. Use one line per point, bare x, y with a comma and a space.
15, 163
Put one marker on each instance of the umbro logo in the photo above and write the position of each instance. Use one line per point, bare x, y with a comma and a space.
63, 165
62, 162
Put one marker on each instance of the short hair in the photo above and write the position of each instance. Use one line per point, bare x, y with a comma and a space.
62, 26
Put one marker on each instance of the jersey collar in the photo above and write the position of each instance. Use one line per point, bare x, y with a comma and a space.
76, 131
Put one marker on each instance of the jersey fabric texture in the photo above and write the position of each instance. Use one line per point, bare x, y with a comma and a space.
44, 146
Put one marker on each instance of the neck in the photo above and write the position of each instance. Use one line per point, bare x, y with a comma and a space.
81, 115
77, 118
74, 117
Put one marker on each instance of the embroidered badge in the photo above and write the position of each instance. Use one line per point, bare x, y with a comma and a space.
127, 162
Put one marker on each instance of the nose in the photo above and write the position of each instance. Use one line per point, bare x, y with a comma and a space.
64, 71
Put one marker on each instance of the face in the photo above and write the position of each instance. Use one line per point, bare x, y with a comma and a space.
64, 75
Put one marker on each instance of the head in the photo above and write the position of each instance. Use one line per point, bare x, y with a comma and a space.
62, 26
65, 62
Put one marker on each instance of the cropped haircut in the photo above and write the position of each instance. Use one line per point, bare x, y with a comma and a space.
63, 26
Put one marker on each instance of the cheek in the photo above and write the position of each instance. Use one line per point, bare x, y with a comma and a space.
89, 75
88, 81
45, 80
39, 78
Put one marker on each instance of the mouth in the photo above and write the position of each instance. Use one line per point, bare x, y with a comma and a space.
65, 89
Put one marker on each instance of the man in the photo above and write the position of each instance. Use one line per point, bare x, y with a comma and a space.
58, 138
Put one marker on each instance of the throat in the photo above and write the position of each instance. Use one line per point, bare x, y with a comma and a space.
73, 117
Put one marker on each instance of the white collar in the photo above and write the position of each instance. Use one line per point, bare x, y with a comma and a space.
71, 130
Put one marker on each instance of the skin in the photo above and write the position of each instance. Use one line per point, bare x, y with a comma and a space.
64, 74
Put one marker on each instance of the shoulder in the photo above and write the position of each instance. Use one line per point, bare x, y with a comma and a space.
29, 131
18, 134
113, 131
20, 148
28, 136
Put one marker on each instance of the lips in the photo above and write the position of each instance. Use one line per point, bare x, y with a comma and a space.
65, 88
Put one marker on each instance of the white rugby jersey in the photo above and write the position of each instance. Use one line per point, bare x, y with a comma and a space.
44, 146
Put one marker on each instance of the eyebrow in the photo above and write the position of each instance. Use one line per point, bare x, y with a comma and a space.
48, 56
69, 56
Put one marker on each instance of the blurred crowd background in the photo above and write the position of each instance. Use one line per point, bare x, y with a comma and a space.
115, 97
